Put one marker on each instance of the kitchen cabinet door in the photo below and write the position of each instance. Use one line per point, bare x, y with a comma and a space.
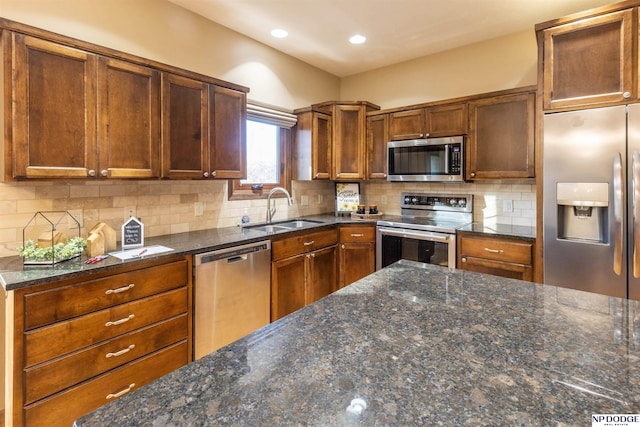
53, 109
408, 124
501, 137
227, 133
377, 138
323, 273
288, 285
128, 120
312, 145
447, 120
185, 133
357, 253
349, 123
589, 62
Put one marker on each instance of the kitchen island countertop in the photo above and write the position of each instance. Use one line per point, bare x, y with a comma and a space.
412, 344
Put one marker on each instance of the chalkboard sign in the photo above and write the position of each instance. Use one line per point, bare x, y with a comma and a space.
132, 233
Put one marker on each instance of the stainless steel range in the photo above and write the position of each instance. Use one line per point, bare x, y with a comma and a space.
426, 229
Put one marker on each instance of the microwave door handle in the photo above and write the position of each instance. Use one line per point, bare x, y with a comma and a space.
418, 235
447, 155
617, 213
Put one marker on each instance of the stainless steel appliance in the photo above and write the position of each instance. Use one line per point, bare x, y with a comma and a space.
425, 231
431, 159
591, 194
232, 295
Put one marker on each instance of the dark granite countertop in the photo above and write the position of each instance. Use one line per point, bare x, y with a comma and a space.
412, 344
500, 230
13, 275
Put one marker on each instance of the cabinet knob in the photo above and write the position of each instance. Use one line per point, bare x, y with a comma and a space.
92, 172
626, 95
206, 174
473, 174
464, 259
338, 175
104, 172
342, 246
213, 174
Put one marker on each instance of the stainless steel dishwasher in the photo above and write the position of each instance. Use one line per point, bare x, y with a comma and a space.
232, 294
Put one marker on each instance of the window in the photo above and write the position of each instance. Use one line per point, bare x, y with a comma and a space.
268, 153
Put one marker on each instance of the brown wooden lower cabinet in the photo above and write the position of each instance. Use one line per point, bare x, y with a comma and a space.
303, 270
65, 407
505, 257
357, 252
113, 334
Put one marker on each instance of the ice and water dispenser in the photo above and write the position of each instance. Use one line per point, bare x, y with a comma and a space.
583, 211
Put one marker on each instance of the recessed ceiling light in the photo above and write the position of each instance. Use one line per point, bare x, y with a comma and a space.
357, 39
279, 33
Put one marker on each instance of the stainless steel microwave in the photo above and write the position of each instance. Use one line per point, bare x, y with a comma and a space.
430, 159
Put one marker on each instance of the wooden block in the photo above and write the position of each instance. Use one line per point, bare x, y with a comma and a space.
95, 245
44, 240
108, 234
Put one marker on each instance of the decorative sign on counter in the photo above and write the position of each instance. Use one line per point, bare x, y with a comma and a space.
347, 197
132, 234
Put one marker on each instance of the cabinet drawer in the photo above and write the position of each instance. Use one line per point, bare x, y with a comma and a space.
359, 233
519, 252
70, 405
51, 377
54, 340
498, 268
303, 243
42, 308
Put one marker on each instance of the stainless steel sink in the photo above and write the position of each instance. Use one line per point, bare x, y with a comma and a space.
285, 225
298, 223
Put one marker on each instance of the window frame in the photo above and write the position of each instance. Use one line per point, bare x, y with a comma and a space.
239, 191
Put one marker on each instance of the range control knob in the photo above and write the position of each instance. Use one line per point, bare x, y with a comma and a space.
407, 200
414, 200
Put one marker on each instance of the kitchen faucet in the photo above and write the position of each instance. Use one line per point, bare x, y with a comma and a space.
272, 211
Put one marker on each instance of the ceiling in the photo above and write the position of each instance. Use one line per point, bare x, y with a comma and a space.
396, 30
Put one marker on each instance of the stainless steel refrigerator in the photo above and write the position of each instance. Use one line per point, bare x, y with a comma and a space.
591, 195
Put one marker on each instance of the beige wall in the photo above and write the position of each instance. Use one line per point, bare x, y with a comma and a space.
162, 31
502, 63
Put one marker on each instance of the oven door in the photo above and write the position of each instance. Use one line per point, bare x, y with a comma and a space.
393, 244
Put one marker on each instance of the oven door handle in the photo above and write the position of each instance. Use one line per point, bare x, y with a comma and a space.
419, 235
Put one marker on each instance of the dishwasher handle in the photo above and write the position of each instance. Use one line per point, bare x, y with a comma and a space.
232, 254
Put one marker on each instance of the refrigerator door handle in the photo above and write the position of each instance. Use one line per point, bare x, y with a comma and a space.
635, 181
617, 213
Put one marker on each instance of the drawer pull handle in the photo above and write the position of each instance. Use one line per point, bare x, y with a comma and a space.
309, 243
121, 352
494, 251
122, 289
121, 392
119, 322
357, 235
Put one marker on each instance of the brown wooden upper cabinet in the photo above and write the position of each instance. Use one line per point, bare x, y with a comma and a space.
377, 138
501, 137
77, 110
53, 109
203, 130
588, 61
339, 127
434, 121
80, 115
227, 128
128, 120
185, 120
312, 145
